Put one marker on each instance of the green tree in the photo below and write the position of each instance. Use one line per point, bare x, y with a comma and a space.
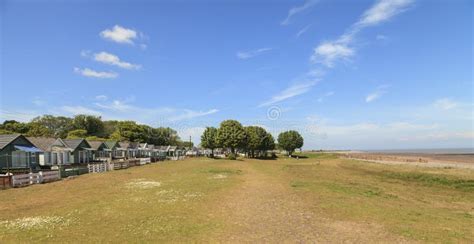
290, 140
37, 130
59, 126
209, 139
231, 134
15, 126
268, 143
129, 131
76, 134
255, 139
92, 124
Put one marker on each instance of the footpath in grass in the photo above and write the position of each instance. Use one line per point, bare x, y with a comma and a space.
315, 198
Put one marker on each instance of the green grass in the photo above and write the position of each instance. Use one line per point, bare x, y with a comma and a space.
176, 201
433, 205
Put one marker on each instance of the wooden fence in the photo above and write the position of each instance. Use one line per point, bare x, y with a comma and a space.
34, 178
5, 181
97, 167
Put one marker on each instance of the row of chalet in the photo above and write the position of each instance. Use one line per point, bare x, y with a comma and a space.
20, 152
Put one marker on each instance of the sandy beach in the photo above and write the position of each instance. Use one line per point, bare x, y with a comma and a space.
415, 159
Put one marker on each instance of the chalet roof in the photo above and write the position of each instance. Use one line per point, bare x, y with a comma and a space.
150, 146
43, 143
124, 144
111, 144
142, 145
134, 145
74, 143
95, 145
7, 139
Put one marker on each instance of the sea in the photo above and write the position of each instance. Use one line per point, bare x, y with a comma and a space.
427, 151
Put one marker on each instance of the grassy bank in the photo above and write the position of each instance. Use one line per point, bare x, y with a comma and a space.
180, 201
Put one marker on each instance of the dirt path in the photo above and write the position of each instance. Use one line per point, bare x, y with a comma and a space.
264, 209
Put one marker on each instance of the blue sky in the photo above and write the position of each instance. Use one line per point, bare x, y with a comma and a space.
346, 74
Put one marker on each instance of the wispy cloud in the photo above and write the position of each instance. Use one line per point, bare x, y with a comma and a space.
302, 31
111, 59
292, 91
382, 11
381, 90
298, 9
95, 74
190, 114
101, 97
123, 109
119, 34
329, 52
252, 53
445, 104
327, 94
75, 110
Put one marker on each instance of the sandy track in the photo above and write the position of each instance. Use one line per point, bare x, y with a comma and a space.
264, 209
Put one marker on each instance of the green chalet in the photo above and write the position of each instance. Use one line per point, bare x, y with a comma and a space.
18, 153
81, 151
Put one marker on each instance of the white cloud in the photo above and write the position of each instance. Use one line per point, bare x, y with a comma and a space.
119, 34
38, 101
445, 104
193, 132
381, 37
111, 59
75, 110
95, 74
327, 94
289, 92
252, 53
122, 109
381, 90
328, 53
190, 114
298, 9
101, 97
302, 31
18, 115
382, 11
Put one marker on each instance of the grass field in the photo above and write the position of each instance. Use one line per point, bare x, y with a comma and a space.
320, 197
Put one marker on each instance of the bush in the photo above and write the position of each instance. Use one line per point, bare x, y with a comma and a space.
232, 156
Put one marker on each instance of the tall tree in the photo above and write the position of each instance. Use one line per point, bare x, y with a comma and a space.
209, 139
58, 125
231, 134
290, 140
92, 124
255, 139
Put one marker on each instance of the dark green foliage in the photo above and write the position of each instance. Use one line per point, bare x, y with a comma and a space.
209, 139
76, 134
58, 126
92, 124
92, 127
231, 134
290, 140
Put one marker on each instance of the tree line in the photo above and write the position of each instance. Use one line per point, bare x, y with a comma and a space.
254, 141
93, 128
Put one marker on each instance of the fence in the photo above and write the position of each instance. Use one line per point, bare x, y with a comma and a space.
49, 176
144, 161
34, 178
66, 172
97, 167
5, 181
